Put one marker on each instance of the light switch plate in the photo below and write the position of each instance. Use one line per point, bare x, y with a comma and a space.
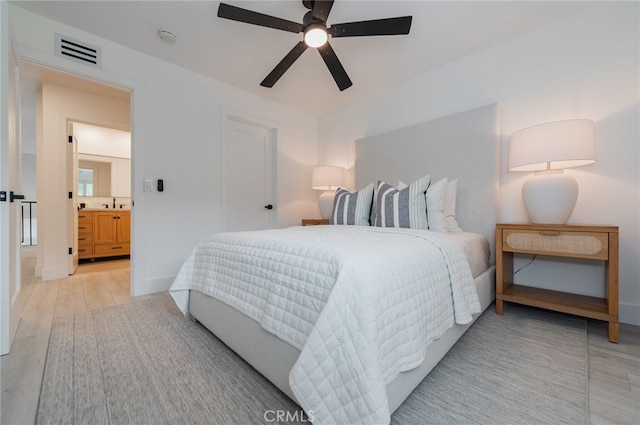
148, 185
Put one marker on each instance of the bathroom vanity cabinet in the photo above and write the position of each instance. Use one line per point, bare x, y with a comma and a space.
103, 233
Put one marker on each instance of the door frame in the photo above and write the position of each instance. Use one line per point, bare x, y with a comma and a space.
136, 91
271, 126
72, 181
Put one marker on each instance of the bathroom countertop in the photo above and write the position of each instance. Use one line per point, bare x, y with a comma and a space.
105, 209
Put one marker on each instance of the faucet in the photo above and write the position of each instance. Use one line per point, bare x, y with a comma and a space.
114, 203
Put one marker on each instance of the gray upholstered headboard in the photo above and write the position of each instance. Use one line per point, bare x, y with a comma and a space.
464, 146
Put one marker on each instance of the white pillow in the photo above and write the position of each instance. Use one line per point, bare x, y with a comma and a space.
449, 220
435, 198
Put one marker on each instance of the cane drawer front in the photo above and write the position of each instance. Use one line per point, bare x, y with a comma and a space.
579, 244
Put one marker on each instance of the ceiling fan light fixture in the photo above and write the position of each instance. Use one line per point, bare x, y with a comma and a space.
315, 35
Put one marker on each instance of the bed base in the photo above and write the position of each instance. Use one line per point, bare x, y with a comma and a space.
274, 358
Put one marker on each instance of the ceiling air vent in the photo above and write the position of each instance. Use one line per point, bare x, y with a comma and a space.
78, 51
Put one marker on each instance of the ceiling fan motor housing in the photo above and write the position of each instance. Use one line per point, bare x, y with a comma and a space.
309, 19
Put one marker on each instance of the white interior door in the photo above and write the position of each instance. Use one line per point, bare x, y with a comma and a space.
10, 186
248, 176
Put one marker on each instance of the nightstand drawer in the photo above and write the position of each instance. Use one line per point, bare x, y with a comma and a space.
593, 245
314, 221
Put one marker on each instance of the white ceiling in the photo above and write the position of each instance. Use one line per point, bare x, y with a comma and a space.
242, 55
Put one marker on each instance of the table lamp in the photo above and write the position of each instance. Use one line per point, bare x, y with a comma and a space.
550, 195
327, 178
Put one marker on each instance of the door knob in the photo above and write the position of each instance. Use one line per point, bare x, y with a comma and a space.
13, 196
269, 207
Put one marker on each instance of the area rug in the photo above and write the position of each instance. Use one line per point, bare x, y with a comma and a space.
144, 363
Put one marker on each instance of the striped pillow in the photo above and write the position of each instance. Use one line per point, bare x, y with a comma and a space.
393, 207
352, 207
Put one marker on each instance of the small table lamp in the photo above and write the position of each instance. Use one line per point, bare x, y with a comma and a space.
551, 195
327, 178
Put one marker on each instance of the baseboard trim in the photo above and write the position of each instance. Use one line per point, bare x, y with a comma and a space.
152, 286
629, 313
53, 273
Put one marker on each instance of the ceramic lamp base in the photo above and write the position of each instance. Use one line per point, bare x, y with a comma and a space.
550, 197
325, 202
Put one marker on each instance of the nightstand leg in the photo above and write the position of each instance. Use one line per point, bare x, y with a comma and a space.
499, 307
614, 332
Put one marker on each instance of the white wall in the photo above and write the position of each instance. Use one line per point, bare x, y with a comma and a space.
120, 177
29, 176
176, 136
583, 66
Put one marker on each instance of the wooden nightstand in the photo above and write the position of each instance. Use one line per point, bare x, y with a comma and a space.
314, 221
598, 243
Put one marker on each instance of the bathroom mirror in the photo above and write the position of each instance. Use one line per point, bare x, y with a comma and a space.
94, 178
104, 161
104, 176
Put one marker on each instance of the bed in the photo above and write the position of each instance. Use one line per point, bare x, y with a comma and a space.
329, 317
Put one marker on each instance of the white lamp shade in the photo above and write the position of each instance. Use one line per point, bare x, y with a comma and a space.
327, 177
560, 144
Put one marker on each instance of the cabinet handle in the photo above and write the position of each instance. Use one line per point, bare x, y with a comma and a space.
549, 232
116, 247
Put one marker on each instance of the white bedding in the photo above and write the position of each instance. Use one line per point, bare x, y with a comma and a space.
360, 303
476, 250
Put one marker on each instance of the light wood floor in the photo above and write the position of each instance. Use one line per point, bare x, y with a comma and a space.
614, 369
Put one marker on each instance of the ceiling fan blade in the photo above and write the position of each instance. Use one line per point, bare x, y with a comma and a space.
335, 67
284, 64
239, 14
321, 9
388, 26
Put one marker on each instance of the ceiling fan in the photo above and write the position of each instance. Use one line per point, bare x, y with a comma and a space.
316, 34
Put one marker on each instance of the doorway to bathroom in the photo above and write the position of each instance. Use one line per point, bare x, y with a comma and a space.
102, 212
57, 107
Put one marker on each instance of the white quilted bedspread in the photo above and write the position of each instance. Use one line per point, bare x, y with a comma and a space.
360, 303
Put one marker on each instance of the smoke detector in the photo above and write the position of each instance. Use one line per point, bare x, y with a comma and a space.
167, 36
